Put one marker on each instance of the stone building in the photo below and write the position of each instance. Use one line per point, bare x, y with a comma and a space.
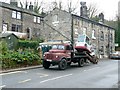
58, 25
22, 22
119, 9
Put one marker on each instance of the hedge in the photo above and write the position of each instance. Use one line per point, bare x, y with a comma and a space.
14, 59
27, 44
19, 58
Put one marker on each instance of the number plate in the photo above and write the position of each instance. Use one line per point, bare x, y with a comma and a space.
49, 60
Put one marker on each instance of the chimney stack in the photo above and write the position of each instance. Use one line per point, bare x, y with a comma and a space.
83, 9
31, 7
14, 3
101, 18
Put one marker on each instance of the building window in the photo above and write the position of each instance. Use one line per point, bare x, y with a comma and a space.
16, 28
76, 31
16, 14
37, 19
5, 27
93, 34
106, 36
55, 18
102, 36
111, 49
84, 30
28, 33
111, 37
102, 50
13, 27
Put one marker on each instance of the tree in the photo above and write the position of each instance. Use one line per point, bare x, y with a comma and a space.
92, 10
71, 7
37, 6
118, 31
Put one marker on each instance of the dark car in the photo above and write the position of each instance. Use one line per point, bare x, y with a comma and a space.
115, 55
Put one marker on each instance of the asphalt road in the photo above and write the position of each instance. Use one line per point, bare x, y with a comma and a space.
102, 75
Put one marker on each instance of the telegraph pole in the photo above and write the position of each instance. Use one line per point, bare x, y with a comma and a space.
72, 32
72, 38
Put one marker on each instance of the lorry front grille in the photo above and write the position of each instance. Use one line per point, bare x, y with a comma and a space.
49, 56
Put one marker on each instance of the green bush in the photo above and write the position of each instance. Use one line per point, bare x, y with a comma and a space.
14, 59
21, 57
28, 44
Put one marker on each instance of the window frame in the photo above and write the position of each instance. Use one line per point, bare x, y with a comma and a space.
19, 15
17, 28
102, 35
5, 26
14, 14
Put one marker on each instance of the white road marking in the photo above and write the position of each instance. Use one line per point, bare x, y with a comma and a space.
93, 68
13, 73
44, 76
24, 81
2, 86
55, 78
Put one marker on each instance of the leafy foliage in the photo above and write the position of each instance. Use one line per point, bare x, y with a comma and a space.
118, 32
21, 57
27, 44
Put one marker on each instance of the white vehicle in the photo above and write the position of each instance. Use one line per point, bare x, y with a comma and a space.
83, 42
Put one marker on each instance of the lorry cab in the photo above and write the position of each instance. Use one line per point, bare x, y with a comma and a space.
58, 52
60, 55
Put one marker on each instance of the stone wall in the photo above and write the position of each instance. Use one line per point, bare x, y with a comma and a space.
101, 39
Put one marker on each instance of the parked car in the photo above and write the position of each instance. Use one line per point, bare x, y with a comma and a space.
115, 55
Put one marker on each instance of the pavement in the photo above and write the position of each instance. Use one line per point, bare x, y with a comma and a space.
20, 69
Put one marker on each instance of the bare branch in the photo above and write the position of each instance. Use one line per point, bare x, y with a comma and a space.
93, 10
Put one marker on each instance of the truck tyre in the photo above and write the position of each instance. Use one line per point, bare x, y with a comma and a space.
46, 64
62, 64
81, 62
69, 63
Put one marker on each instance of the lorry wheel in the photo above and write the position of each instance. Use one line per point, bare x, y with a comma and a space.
95, 59
46, 64
63, 64
81, 62
69, 63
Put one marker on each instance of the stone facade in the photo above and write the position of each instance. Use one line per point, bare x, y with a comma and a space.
60, 21
20, 20
57, 25
101, 35
119, 9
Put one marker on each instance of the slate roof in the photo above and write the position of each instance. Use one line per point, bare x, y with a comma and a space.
87, 19
8, 6
4, 35
91, 21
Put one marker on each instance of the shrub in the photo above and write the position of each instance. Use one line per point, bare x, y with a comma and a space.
21, 57
27, 44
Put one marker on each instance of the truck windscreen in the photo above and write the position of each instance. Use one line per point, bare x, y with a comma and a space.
60, 47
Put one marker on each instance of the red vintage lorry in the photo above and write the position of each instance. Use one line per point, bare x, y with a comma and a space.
63, 54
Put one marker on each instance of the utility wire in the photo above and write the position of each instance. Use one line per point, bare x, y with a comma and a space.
56, 31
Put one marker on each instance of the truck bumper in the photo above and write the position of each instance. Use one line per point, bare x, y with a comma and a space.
54, 62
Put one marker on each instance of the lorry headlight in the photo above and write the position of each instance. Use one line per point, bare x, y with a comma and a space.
56, 56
